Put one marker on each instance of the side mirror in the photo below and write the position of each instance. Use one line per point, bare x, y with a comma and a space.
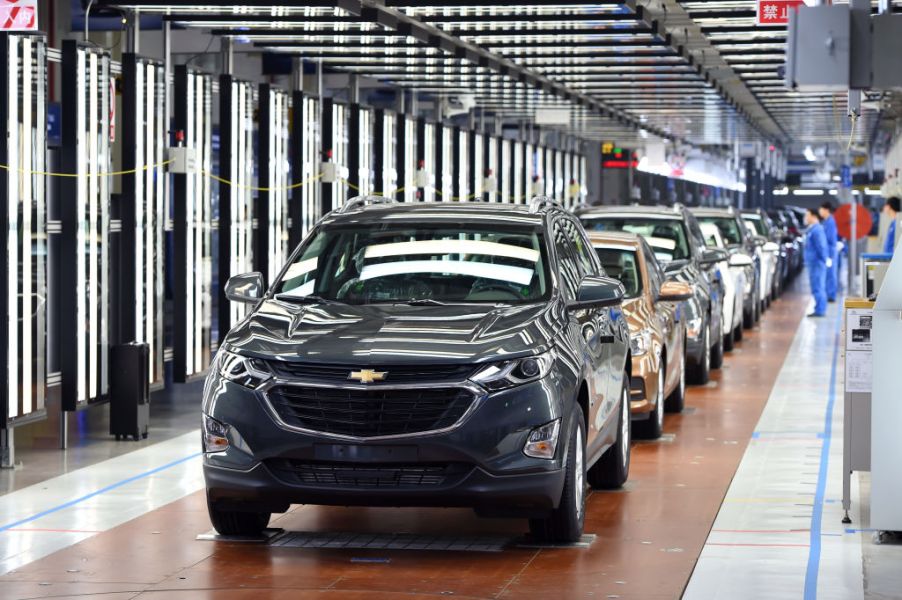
741, 260
713, 255
247, 288
675, 291
759, 240
598, 292
771, 247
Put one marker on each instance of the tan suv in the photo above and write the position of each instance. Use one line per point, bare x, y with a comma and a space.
652, 307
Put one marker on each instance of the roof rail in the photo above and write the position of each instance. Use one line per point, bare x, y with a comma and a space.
361, 201
540, 202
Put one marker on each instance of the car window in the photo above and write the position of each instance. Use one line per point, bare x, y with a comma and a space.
583, 249
759, 227
729, 228
568, 264
666, 236
712, 235
401, 262
696, 231
622, 264
653, 268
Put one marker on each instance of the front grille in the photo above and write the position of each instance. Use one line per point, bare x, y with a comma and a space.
394, 374
375, 476
370, 412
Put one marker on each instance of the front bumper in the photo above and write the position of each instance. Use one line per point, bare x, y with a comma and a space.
481, 459
643, 386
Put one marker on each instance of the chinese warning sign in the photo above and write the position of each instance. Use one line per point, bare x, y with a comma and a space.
776, 12
19, 15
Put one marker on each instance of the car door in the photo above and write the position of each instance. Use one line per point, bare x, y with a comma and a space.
582, 331
666, 314
605, 347
710, 277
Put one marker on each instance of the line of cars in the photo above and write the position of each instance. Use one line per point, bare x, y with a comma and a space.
490, 356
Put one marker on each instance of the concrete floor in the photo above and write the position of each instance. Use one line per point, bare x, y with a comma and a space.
724, 503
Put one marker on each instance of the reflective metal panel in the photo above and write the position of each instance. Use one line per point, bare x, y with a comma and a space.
23, 221
193, 227
85, 216
143, 214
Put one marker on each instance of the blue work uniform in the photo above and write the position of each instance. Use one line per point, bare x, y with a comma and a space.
832, 235
816, 255
889, 245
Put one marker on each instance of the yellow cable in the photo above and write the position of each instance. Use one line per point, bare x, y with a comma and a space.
255, 188
110, 174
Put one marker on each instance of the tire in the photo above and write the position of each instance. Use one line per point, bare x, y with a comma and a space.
676, 401
717, 353
613, 468
729, 341
738, 333
748, 318
653, 427
230, 522
565, 523
701, 372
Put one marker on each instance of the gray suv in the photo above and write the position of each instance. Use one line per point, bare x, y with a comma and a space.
423, 354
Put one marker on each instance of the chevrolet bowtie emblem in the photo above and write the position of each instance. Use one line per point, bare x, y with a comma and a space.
367, 375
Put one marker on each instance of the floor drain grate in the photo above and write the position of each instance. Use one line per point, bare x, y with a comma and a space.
366, 541
390, 541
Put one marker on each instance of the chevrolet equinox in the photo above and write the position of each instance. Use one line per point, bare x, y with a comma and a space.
423, 354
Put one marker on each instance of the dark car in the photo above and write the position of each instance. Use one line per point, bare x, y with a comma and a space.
742, 249
790, 237
424, 354
678, 243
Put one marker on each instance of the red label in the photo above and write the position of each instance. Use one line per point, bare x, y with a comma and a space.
19, 15
776, 12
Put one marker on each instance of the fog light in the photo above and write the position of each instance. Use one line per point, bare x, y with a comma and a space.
216, 435
542, 441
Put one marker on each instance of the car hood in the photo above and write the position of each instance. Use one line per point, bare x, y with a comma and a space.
395, 334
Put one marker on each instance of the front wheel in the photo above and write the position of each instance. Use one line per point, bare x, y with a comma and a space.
701, 371
676, 401
653, 427
717, 352
231, 522
613, 468
565, 523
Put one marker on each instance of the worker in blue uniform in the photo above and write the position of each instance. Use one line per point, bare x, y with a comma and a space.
816, 256
832, 235
891, 210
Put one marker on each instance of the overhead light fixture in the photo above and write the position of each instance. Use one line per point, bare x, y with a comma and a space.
784, 191
809, 154
807, 192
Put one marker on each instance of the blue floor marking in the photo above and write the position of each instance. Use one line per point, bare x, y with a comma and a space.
814, 552
102, 490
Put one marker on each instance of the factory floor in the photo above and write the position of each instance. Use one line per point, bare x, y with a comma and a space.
739, 499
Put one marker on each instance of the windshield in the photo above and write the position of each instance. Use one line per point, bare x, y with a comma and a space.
667, 237
622, 264
758, 223
729, 228
400, 262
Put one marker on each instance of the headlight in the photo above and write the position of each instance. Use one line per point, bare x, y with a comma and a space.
216, 435
511, 373
249, 372
542, 441
640, 342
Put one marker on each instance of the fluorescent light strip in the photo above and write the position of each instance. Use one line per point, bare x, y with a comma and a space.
193, 86
12, 246
27, 204
505, 273
81, 151
807, 192
440, 247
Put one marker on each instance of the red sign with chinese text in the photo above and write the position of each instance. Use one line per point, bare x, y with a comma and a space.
19, 15
776, 12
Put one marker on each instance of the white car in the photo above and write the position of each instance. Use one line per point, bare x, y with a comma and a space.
769, 255
733, 274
